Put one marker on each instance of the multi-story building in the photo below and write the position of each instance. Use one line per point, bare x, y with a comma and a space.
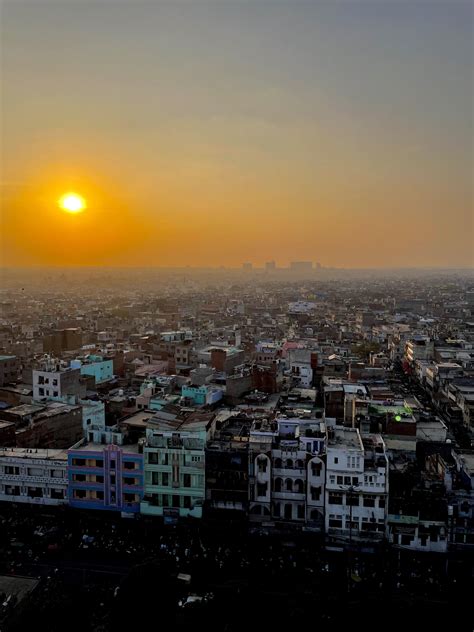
419, 348
35, 476
54, 380
356, 485
9, 369
97, 366
227, 468
287, 470
174, 461
204, 395
107, 477
45, 425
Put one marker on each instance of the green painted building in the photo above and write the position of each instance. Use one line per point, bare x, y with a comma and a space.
174, 464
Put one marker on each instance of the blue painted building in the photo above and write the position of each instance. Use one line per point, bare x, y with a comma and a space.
95, 365
106, 477
201, 395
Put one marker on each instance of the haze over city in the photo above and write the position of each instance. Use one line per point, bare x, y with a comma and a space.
213, 133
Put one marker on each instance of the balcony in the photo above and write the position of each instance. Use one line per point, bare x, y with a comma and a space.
284, 495
289, 472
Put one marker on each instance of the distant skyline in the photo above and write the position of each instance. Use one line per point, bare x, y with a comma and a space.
213, 133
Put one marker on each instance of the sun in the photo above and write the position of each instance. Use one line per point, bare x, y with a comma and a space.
72, 203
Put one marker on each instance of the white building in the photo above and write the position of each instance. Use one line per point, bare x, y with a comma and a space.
287, 471
35, 476
356, 485
54, 380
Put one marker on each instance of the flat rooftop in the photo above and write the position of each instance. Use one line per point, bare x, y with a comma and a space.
99, 447
34, 453
344, 438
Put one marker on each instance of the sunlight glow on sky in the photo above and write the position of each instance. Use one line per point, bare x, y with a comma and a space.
207, 133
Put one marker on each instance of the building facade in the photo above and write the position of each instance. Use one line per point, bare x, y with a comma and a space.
34, 476
106, 477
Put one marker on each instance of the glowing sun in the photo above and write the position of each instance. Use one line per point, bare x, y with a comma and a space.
72, 203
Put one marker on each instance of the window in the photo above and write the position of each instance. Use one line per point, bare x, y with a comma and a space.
176, 501
369, 501
79, 462
55, 393
112, 479
382, 503
278, 463
352, 500
335, 523
340, 480
347, 480
261, 489
79, 493
165, 500
10, 469
55, 381
99, 463
262, 464
80, 477
299, 486
316, 469
128, 465
165, 478
187, 480
112, 464
129, 498
276, 510
164, 459
335, 498
289, 463
299, 464
129, 481
289, 485
99, 495
288, 512
355, 480
35, 492
154, 478
152, 458
315, 493
99, 478
41, 392
336, 460
187, 502
300, 512
41, 380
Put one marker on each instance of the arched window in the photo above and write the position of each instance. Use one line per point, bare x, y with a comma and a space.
299, 486
256, 510
278, 482
289, 463
289, 485
262, 464
299, 464
315, 515
278, 463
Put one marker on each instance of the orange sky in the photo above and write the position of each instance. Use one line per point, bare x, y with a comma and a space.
205, 137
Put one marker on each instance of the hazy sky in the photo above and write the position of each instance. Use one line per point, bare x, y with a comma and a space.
207, 133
